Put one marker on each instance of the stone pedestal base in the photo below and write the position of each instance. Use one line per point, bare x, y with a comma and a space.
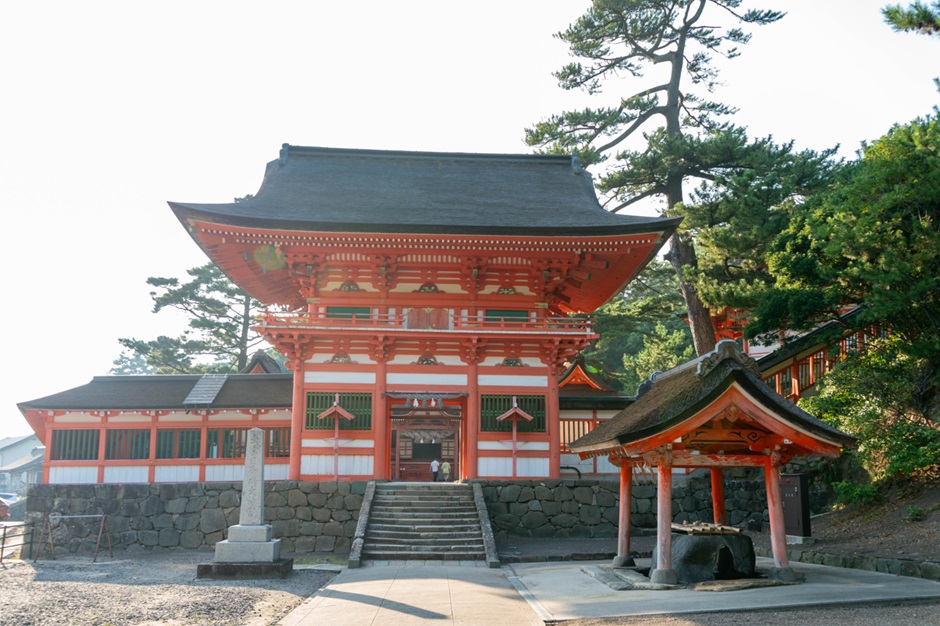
624, 561
280, 568
229, 551
663, 577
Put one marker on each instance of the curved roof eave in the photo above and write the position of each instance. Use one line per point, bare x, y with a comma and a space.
217, 214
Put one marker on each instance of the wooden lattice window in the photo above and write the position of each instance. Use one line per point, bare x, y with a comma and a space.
572, 430
74, 445
122, 444
359, 404
492, 406
178, 443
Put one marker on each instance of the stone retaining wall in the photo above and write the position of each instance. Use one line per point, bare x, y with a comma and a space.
306, 516
587, 508
322, 517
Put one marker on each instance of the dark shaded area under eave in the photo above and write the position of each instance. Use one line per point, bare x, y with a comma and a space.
168, 392
344, 190
678, 396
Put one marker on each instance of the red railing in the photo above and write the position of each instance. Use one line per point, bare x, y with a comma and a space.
802, 374
455, 322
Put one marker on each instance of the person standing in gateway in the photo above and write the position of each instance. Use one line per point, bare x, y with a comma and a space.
445, 469
435, 467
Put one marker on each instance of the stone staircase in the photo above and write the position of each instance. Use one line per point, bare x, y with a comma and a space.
436, 521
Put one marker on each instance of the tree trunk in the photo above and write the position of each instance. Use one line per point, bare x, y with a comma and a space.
681, 253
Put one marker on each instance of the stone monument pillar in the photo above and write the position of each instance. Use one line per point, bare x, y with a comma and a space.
249, 551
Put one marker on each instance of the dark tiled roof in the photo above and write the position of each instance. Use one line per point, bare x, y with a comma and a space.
829, 331
680, 393
572, 395
168, 392
265, 362
343, 190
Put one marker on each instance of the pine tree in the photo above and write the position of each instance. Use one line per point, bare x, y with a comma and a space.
629, 37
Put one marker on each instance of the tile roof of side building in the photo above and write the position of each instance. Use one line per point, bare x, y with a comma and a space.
673, 396
380, 191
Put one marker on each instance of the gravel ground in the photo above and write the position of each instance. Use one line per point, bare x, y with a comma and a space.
143, 589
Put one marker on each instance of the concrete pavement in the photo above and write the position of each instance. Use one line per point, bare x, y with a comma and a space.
405, 592
390, 593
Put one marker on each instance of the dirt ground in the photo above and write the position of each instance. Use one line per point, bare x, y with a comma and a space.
888, 529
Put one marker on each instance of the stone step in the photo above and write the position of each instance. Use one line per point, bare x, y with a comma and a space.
424, 506
422, 499
429, 517
418, 541
424, 528
422, 549
394, 555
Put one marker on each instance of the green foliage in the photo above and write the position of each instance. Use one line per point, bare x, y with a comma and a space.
219, 336
873, 239
662, 350
918, 17
848, 492
915, 513
683, 138
651, 300
889, 400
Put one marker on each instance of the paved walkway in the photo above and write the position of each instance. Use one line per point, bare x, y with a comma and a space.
389, 593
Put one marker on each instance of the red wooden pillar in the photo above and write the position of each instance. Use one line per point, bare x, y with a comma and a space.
102, 446
380, 422
298, 419
664, 574
718, 496
553, 424
795, 379
469, 467
623, 558
151, 469
778, 538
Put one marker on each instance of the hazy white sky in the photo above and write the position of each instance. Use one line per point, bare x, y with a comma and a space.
109, 109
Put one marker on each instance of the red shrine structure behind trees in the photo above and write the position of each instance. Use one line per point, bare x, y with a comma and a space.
428, 304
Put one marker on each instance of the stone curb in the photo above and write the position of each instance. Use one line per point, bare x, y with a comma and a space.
929, 570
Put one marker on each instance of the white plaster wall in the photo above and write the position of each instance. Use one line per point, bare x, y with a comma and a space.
343, 443
490, 380
72, 475
215, 473
501, 467
276, 471
357, 378
395, 378
126, 474
349, 465
176, 474
507, 445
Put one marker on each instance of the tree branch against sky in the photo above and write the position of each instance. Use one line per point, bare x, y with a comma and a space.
219, 337
650, 140
918, 17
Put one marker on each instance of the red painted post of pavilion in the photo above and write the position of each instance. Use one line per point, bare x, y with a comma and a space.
663, 574
623, 558
720, 515
778, 537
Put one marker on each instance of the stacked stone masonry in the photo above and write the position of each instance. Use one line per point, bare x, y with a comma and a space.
589, 508
306, 516
322, 517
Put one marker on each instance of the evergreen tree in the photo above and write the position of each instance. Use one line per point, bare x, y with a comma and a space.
219, 337
651, 300
917, 17
629, 37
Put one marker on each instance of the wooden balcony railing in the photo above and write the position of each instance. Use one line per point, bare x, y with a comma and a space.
452, 323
